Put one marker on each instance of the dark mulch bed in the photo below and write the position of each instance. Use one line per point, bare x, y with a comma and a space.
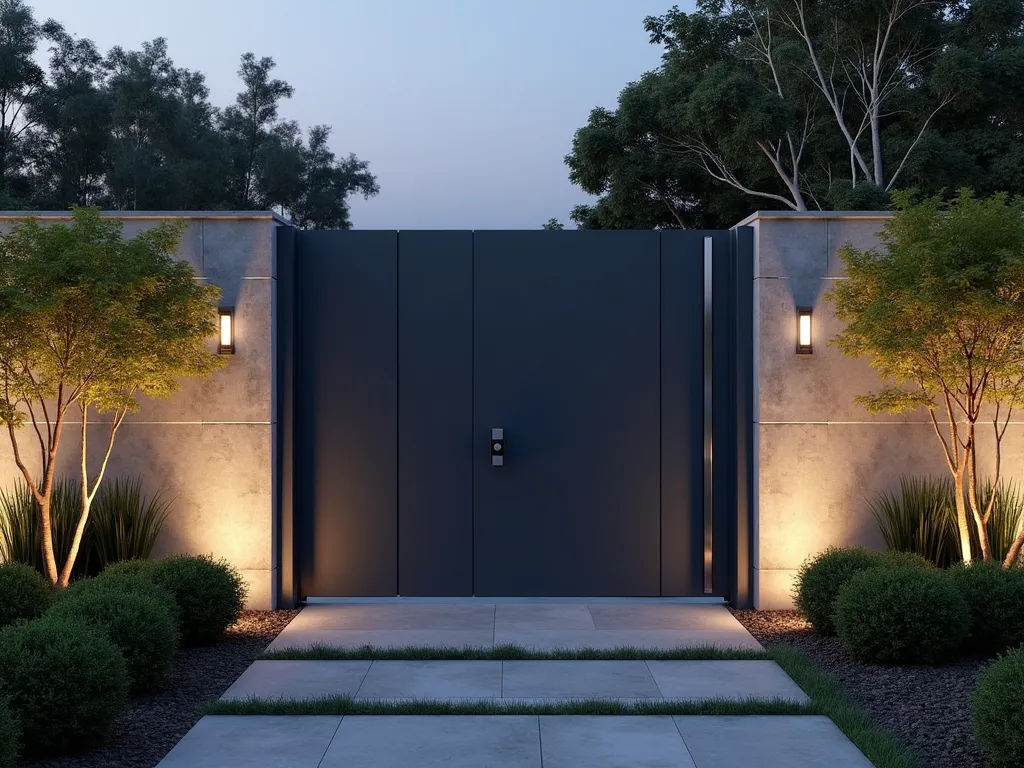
927, 706
150, 727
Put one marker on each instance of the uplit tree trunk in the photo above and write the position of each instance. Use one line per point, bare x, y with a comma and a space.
961, 515
88, 490
1014, 554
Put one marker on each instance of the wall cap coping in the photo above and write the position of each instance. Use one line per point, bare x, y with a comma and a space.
776, 215
231, 215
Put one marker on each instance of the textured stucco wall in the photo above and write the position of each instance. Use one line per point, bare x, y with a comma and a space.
819, 455
209, 447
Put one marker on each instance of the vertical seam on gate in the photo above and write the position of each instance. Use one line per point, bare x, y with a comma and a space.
661, 417
472, 415
708, 331
398, 416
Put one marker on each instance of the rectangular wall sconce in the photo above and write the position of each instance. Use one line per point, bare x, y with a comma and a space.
226, 325
803, 330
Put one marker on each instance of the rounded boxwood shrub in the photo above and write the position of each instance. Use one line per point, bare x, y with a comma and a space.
66, 682
24, 593
127, 567
819, 580
995, 597
126, 582
140, 625
210, 594
901, 615
10, 735
910, 559
997, 709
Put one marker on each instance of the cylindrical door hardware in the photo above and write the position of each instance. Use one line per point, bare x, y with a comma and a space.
497, 447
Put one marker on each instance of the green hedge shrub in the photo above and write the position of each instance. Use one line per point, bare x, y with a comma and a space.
909, 559
10, 736
210, 594
819, 580
901, 615
997, 709
135, 581
140, 625
133, 567
66, 681
995, 597
24, 593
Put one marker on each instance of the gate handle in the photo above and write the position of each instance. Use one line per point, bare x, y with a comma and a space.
497, 447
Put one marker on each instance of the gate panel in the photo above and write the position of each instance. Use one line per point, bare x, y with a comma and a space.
682, 380
347, 414
435, 413
567, 362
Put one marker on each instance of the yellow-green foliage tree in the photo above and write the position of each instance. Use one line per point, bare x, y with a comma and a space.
88, 322
940, 315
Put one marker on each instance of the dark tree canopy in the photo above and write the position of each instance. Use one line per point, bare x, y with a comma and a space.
129, 130
794, 104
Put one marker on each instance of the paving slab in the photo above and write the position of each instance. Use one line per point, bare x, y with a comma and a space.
662, 616
767, 741
479, 616
572, 616
432, 680
298, 679
390, 638
725, 680
577, 680
543, 639
254, 742
612, 742
435, 742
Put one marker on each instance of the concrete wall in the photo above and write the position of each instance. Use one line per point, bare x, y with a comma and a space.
209, 447
819, 455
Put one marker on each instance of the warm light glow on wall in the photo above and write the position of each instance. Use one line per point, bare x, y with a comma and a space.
226, 317
803, 342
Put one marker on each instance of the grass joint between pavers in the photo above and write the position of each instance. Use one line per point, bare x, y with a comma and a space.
346, 705
882, 747
511, 652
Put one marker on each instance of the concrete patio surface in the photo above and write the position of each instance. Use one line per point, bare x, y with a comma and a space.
517, 680
515, 742
533, 624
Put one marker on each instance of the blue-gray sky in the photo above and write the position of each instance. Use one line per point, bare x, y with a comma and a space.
464, 108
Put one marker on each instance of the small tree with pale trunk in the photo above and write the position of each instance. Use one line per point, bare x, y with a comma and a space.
940, 314
88, 322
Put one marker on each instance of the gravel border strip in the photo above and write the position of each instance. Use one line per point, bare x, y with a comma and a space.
927, 707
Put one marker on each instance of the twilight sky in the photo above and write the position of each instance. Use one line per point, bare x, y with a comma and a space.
464, 108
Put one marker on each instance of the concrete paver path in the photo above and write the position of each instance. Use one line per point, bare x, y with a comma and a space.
535, 624
515, 742
517, 680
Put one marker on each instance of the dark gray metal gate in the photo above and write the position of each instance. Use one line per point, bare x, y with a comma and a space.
398, 354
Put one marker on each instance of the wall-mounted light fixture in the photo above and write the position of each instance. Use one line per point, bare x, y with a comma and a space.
226, 324
803, 331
